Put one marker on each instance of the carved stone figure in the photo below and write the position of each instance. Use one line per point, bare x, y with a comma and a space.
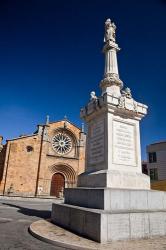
109, 31
121, 102
135, 106
127, 93
93, 96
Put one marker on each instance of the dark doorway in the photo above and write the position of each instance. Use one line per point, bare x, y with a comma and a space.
57, 185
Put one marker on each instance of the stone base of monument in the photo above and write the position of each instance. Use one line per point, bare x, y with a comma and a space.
104, 214
114, 179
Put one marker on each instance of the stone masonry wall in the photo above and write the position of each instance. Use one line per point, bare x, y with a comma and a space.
22, 166
28, 157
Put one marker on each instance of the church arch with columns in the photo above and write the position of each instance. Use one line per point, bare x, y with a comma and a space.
69, 174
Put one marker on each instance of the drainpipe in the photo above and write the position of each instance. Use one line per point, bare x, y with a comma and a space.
7, 163
39, 162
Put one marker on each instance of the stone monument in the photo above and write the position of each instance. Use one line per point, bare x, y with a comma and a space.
113, 199
113, 156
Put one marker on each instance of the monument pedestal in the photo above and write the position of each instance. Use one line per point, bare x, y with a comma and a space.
113, 200
113, 157
104, 215
114, 179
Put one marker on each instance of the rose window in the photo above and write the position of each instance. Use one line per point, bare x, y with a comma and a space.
61, 143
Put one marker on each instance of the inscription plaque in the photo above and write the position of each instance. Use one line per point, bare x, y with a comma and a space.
124, 146
96, 142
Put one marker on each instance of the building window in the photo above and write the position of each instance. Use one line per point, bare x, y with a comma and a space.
144, 169
62, 143
152, 157
29, 149
153, 174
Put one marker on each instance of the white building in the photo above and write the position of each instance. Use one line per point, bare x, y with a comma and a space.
156, 161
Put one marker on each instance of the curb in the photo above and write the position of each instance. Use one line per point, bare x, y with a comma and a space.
63, 239
18, 198
34, 230
40, 237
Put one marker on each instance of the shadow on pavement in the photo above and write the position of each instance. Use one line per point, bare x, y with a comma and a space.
45, 214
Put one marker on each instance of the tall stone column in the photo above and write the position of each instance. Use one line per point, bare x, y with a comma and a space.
111, 83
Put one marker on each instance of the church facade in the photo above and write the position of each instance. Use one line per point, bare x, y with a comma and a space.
44, 163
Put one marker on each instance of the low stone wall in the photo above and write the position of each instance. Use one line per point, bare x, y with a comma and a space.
159, 185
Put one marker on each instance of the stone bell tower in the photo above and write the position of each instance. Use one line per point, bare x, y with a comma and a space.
113, 199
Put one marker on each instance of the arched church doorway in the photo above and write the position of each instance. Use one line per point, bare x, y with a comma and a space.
57, 185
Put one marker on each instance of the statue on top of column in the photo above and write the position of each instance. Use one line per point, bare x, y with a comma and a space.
109, 31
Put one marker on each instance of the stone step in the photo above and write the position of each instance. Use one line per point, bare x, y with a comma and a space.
105, 226
115, 199
114, 179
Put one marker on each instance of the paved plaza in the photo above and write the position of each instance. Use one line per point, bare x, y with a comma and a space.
17, 215
15, 218
64, 239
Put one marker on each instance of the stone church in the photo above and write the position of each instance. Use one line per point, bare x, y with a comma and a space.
43, 163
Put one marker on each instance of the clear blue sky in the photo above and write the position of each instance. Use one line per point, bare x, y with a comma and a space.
50, 60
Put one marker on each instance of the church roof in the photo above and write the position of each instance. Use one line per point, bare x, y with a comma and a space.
36, 132
63, 120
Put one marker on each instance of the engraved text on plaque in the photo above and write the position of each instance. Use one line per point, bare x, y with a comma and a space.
124, 146
96, 143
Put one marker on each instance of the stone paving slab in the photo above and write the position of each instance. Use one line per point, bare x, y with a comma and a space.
63, 239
